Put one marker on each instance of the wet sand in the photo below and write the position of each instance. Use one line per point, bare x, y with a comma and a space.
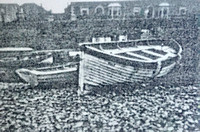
152, 108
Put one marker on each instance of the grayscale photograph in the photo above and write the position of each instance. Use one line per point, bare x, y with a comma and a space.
100, 65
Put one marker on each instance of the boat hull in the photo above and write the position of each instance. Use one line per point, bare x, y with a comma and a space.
70, 77
99, 72
34, 78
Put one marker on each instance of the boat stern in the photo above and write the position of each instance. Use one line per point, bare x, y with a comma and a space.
27, 76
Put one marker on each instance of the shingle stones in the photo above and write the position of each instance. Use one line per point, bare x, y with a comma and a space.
135, 109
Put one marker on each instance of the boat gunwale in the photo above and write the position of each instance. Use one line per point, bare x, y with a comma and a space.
51, 72
110, 42
128, 61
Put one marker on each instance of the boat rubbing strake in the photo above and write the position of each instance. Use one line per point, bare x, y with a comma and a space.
107, 63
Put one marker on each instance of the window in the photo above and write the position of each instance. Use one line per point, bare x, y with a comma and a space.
72, 10
160, 13
2, 11
165, 13
156, 13
99, 10
110, 12
136, 11
119, 12
150, 12
85, 11
114, 10
182, 10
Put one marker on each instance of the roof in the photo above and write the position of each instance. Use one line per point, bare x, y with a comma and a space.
114, 5
30, 4
164, 4
15, 49
9, 4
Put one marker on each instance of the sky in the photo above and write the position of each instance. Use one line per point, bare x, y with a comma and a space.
56, 6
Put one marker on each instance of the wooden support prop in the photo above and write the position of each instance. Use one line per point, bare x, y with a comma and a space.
81, 74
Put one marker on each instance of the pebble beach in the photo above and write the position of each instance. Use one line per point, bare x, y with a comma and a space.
130, 108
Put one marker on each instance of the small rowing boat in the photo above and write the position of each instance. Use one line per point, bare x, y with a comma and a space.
108, 63
22, 57
61, 73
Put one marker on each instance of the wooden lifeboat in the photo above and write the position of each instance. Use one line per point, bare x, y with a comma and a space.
108, 63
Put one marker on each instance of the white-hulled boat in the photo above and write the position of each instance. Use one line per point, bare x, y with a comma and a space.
60, 73
22, 57
108, 63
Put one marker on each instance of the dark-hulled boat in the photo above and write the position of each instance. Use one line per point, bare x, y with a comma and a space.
51, 74
22, 57
108, 63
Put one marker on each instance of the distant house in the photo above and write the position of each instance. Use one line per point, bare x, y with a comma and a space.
132, 9
33, 11
29, 11
8, 12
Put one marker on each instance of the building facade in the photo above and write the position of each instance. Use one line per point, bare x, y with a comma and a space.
8, 12
33, 11
133, 9
29, 11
